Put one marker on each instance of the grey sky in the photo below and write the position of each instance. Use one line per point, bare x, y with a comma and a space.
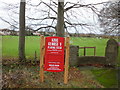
4, 13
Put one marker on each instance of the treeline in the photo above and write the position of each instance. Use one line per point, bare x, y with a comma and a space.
38, 33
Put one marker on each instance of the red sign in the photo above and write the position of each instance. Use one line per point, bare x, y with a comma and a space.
54, 54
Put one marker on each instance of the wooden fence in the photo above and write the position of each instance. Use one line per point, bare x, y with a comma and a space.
86, 48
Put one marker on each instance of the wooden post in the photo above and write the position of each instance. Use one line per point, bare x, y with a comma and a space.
94, 51
67, 44
84, 51
42, 52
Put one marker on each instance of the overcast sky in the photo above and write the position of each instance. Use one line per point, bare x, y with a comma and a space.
4, 13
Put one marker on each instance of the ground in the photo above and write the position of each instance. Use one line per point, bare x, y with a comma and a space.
27, 76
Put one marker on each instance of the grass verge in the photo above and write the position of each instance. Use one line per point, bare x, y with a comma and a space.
106, 77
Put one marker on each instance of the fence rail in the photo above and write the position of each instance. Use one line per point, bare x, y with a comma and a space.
86, 48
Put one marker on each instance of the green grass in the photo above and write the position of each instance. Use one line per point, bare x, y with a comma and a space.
118, 59
106, 77
32, 45
100, 45
10, 45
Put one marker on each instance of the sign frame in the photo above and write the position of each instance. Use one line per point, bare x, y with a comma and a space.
66, 61
54, 54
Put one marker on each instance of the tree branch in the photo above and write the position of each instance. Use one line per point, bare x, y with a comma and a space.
49, 26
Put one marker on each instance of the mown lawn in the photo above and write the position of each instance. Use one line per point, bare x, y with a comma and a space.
10, 45
100, 45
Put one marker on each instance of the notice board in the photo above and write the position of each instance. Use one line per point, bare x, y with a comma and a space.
54, 54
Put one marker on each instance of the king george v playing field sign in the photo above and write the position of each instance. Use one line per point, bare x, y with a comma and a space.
54, 54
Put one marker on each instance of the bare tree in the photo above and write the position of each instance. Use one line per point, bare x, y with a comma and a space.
60, 19
22, 31
44, 15
109, 18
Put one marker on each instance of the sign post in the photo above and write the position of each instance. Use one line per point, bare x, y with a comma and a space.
42, 52
67, 44
54, 56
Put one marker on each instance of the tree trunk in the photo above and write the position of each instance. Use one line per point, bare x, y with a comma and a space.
22, 32
60, 19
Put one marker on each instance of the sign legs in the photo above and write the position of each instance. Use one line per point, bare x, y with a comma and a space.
67, 44
42, 52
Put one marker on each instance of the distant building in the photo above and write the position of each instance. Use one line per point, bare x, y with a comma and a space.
8, 32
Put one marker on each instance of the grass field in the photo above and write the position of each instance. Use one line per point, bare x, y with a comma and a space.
105, 77
10, 45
